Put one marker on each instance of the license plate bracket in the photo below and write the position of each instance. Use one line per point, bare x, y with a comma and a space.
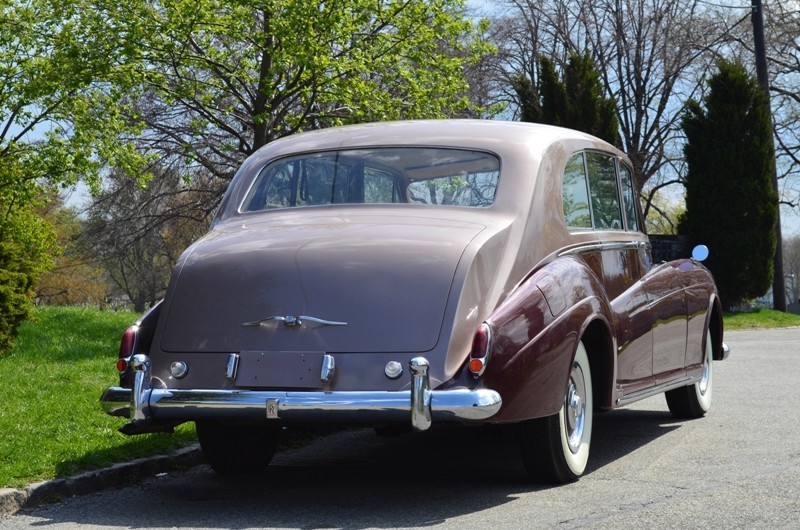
281, 369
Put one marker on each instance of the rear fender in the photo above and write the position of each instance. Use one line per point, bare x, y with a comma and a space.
145, 328
536, 333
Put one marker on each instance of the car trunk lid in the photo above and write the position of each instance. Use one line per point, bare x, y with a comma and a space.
388, 280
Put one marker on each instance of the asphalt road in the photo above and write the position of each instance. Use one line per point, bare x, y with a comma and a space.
739, 467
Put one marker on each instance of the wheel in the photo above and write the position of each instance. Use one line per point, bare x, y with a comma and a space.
231, 448
556, 448
694, 401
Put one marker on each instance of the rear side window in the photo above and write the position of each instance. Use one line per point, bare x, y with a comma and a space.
431, 176
602, 172
591, 193
628, 197
576, 194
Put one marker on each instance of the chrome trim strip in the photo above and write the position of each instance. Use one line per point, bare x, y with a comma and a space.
600, 246
726, 351
145, 404
116, 401
658, 389
232, 367
460, 404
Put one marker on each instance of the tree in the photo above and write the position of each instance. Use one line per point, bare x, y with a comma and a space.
56, 127
212, 82
27, 244
791, 266
137, 232
730, 203
664, 216
784, 58
781, 20
651, 56
576, 101
75, 278
218, 80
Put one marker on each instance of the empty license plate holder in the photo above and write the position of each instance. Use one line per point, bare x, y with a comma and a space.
260, 369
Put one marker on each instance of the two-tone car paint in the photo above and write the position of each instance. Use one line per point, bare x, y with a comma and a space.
407, 280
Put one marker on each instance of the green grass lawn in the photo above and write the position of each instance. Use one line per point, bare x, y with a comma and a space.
761, 318
51, 423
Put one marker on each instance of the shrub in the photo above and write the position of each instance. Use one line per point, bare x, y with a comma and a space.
27, 246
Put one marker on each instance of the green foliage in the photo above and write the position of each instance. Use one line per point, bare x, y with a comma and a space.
576, 101
219, 79
663, 216
730, 203
27, 244
60, 118
14, 302
211, 81
51, 423
60, 121
555, 101
75, 278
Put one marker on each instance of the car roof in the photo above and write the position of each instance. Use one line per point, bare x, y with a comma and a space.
493, 135
522, 147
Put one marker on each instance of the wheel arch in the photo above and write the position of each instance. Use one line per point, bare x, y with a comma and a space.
715, 327
599, 345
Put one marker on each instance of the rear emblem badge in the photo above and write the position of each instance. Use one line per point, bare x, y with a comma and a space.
291, 321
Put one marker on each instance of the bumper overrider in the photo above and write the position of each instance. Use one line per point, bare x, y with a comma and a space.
150, 407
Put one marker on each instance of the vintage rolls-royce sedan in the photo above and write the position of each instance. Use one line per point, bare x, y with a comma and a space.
418, 273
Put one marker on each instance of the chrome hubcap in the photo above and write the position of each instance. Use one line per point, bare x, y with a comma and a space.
575, 408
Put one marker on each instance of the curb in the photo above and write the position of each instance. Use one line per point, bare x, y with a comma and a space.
13, 500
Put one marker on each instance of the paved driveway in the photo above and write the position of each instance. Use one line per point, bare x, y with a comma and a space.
739, 467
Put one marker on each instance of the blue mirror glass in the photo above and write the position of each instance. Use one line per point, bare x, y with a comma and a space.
700, 253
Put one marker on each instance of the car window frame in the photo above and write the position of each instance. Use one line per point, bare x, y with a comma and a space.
637, 207
618, 161
585, 186
247, 191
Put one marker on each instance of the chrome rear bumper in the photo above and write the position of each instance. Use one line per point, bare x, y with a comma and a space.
420, 405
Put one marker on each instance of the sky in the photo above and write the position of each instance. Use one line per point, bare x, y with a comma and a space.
790, 222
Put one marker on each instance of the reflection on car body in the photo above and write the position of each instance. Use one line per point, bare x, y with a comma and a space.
415, 273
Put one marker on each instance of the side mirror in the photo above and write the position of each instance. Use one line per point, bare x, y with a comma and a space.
700, 253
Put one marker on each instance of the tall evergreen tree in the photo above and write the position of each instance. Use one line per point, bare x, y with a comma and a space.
730, 204
529, 108
574, 100
555, 100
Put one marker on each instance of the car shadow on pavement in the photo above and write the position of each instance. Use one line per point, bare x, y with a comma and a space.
618, 433
355, 479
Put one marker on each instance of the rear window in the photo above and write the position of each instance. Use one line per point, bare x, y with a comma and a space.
433, 176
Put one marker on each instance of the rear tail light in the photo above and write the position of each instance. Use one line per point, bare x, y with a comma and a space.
126, 347
481, 350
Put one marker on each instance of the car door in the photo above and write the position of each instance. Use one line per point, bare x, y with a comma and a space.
667, 298
593, 201
632, 307
663, 287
